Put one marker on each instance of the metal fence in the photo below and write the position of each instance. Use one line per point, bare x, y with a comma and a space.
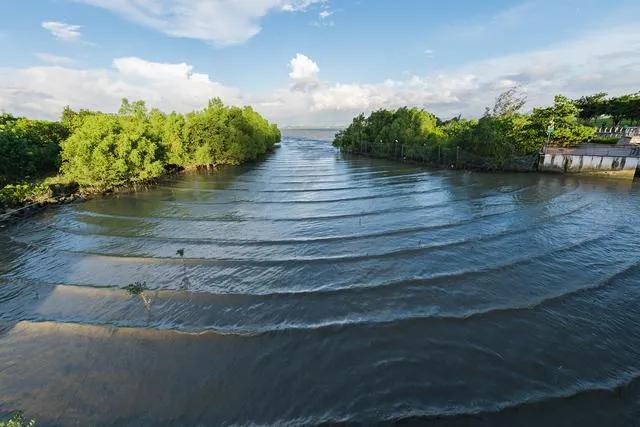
441, 156
618, 132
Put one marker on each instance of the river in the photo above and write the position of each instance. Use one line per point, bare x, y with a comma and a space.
315, 288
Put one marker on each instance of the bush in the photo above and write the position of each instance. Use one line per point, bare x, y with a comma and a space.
225, 135
18, 420
604, 140
12, 196
491, 142
107, 150
28, 148
567, 129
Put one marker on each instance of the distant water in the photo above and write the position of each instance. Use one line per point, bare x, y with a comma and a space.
310, 134
317, 288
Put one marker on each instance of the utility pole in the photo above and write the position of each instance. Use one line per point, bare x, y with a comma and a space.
550, 130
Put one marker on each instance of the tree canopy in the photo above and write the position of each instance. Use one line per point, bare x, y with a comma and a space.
136, 144
617, 108
502, 133
103, 150
28, 148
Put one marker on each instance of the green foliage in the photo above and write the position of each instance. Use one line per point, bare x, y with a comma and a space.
490, 142
18, 420
28, 148
405, 126
604, 140
564, 116
507, 104
108, 150
624, 107
224, 135
618, 109
592, 106
94, 149
12, 196
136, 145
136, 288
73, 120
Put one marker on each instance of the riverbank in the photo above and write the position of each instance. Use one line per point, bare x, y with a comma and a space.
620, 161
88, 153
60, 192
461, 161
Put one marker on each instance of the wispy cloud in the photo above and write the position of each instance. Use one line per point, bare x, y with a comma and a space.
324, 18
478, 28
63, 31
221, 22
53, 59
299, 5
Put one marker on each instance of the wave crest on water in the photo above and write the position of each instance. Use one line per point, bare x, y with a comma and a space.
330, 289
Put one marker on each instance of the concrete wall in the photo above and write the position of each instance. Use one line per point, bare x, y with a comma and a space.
618, 162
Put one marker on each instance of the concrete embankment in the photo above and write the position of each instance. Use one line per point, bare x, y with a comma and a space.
617, 161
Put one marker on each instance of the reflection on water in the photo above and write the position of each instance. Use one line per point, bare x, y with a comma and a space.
316, 288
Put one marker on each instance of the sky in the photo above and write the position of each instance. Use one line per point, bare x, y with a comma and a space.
312, 62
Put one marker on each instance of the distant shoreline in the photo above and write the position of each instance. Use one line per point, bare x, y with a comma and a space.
313, 128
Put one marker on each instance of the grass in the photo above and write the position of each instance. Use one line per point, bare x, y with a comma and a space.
18, 420
44, 190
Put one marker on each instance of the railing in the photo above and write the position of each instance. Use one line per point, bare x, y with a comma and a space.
618, 131
441, 156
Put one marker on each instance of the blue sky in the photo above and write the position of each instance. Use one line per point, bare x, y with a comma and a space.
312, 61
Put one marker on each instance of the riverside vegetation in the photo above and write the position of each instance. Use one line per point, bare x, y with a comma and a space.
503, 138
95, 151
18, 420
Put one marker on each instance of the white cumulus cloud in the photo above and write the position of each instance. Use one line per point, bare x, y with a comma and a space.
31, 91
303, 69
606, 60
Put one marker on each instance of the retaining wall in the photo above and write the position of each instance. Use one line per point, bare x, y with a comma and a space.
619, 161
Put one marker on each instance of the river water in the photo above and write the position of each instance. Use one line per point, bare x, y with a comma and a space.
316, 288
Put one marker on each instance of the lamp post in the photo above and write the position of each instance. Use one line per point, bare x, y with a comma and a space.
550, 130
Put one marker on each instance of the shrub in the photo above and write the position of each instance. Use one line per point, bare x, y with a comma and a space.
604, 140
492, 141
18, 420
12, 196
108, 150
28, 148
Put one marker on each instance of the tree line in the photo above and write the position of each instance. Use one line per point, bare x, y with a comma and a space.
619, 110
500, 135
102, 150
